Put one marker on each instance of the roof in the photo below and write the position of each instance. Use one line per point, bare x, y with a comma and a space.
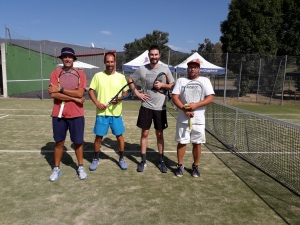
53, 47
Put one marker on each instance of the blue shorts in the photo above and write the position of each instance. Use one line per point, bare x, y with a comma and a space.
104, 122
74, 125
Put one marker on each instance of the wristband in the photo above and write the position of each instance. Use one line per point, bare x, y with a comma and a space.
61, 90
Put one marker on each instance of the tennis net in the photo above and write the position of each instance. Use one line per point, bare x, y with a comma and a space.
271, 145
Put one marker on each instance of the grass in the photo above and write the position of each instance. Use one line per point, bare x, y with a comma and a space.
224, 194
286, 113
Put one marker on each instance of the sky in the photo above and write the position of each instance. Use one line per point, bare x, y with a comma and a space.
111, 24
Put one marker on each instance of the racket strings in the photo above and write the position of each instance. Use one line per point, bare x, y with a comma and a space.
193, 92
69, 80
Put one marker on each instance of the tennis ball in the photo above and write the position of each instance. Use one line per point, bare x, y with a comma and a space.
186, 106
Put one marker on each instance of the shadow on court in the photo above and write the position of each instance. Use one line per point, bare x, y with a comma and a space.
282, 201
47, 152
132, 152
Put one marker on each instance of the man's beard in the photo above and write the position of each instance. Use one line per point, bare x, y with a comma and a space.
192, 76
154, 61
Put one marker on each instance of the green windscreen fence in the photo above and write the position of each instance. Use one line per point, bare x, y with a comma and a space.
27, 70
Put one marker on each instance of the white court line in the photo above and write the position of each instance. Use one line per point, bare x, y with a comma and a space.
90, 110
1, 117
137, 151
50, 110
72, 150
50, 116
27, 109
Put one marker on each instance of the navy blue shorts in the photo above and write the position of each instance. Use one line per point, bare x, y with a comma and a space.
74, 125
146, 116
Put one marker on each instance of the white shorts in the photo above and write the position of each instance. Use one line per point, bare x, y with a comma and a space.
184, 135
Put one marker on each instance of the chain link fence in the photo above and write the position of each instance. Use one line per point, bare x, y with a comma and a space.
250, 78
26, 64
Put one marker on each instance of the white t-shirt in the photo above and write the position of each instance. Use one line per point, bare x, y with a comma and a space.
199, 117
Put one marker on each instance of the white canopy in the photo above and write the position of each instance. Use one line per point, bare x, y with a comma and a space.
80, 65
143, 59
205, 66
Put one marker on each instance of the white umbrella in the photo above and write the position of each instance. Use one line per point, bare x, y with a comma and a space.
81, 65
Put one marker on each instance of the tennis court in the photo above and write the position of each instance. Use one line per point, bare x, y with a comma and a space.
229, 191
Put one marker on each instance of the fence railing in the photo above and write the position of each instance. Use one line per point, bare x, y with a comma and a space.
253, 78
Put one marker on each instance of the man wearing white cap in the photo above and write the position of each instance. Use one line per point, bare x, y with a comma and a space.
186, 130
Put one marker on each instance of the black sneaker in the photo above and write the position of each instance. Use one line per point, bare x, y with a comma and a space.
141, 167
162, 167
195, 172
179, 171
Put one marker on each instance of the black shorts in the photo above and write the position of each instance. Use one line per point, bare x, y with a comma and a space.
146, 116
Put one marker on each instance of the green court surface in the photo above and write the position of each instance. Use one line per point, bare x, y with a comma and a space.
289, 113
229, 191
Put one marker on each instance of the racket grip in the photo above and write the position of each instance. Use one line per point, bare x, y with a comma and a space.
191, 123
61, 109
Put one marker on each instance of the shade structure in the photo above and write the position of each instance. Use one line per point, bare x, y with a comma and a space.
205, 66
80, 65
142, 59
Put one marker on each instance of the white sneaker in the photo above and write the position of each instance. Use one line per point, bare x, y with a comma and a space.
55, 174
81, 173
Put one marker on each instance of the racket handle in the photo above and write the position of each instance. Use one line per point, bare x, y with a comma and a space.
191, 123
61, 109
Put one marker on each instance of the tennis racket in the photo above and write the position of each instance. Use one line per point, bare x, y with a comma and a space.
68, 79
130, 92
163, 78
193, 92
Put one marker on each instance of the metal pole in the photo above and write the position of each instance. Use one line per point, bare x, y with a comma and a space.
225, 80
240, 79
6, 34
169, 58
258, 80
275, 82
284, 73
41, 57
235, 129
55, 58
104, 57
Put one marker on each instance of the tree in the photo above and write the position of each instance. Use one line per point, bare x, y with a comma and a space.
251, 27
135, 48
177, 57
211, 52
289, 32
206, 47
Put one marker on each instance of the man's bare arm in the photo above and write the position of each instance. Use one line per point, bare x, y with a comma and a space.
78, 93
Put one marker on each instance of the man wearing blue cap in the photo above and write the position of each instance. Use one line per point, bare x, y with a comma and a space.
67, 87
